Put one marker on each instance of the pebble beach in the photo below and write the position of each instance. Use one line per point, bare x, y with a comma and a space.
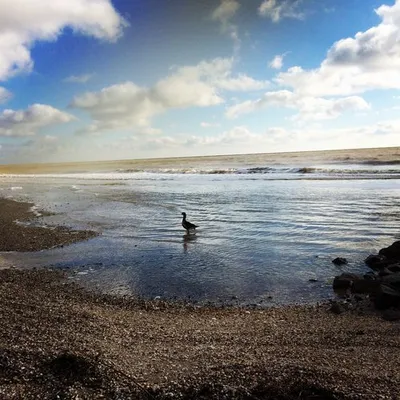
58, 340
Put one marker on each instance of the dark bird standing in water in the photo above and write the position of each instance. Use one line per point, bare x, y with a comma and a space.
186, 224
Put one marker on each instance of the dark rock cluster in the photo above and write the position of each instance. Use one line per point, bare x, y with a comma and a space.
381, 285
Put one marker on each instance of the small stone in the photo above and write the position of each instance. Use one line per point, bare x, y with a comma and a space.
340, 261
337, 308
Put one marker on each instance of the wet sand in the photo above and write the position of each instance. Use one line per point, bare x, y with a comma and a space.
17, 237
58, 340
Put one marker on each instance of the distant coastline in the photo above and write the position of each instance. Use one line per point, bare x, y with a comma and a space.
386, 155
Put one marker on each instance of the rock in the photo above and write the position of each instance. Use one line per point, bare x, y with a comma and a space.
337, 308
384, 272
313, 280
376, 262
370, 276
387, 297
393, 280
365, 286
393, 251
339, 261
345, 281
394, 268
391, 315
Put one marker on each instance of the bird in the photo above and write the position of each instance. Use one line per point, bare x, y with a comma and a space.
186, 224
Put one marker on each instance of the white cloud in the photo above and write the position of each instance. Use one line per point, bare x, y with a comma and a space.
370, 60
78, 78
238, 135
279, 9
242, 83
28, 122
224, 14
225, 11
5, 95
277, 61
310, 108
371, 135
23, 22
128, 105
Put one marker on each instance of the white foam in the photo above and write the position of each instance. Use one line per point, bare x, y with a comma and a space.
34, 210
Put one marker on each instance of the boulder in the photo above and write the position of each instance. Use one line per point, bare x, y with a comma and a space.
391, 315
387, 297
394, 268
392, 252
384, 272
345, 281
339, 261
376, 262
366, 286
370, 276
392, 280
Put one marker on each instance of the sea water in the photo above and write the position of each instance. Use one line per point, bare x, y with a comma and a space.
269, 225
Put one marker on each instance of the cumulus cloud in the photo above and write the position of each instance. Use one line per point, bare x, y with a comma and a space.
24, 22
224, 14
128, 105
310, 108
28, 122
279, 9
78, 78
369, 60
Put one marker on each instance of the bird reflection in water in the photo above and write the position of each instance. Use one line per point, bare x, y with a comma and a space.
188, 238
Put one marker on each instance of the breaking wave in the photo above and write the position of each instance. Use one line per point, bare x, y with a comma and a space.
345, 170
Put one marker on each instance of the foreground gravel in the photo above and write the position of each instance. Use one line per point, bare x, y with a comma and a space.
60, 341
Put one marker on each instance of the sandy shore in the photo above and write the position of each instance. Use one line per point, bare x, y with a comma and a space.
60, 341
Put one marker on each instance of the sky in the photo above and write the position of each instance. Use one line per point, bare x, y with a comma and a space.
84, 80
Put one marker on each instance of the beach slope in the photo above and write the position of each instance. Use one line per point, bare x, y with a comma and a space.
57, 339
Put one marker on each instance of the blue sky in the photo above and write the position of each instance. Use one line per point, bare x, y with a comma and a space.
99, 79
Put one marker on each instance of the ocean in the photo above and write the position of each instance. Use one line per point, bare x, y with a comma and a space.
269, 224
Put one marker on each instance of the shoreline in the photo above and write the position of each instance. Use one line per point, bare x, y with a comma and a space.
59, 339
18, 237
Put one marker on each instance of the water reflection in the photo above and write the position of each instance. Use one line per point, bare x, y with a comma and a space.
188, 238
